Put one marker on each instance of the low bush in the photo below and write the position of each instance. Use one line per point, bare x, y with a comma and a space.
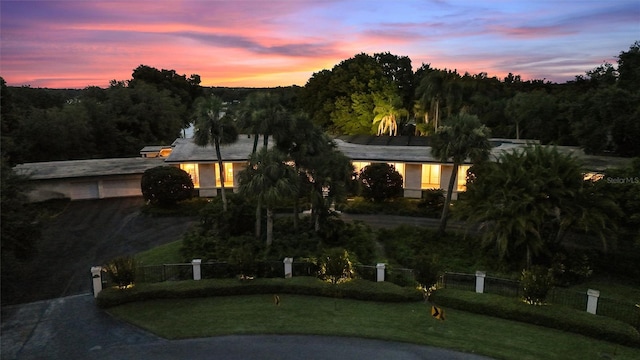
121, 271
536, 284
354, 289
552, 316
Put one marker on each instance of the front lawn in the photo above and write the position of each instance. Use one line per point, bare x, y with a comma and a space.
407, 322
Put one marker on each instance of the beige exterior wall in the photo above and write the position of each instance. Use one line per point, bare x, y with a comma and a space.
208, 180
86, 188
445, 176
413, 181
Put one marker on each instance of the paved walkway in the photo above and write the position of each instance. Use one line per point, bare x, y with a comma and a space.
74, 328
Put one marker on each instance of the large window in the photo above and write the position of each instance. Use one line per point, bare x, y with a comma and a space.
228, 174
192, 170
359, 165
430, 176
462, 177
399, 168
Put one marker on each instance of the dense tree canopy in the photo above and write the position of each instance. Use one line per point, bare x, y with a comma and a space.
599, 110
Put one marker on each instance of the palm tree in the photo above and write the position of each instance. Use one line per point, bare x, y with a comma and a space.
262, 113
388, 108
213, 128
269, 179
461, 138
500, 199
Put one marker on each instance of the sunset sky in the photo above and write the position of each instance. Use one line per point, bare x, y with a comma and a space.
264, 43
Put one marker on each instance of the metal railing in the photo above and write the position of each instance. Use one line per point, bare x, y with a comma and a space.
559, 296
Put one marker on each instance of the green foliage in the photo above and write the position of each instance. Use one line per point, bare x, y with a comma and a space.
380, 182
529, 200
536, 284
354, 289
244, 256
571, 268
166, 185
409, 246
432, 202
335, 266
20, 227
553, 316
427, 269
122, 271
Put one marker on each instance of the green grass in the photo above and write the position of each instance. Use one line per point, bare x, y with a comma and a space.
406, 322
164, 254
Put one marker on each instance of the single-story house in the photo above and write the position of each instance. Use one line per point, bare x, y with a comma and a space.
87, 179
103, 178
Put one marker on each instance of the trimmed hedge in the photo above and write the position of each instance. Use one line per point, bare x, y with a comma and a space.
552, 316
354, 289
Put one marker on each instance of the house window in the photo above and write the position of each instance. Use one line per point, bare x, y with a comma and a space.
359, 165
462, 177
430, 176
399, 168
192, 170
228, 174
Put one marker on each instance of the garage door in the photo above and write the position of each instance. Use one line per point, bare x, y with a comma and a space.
84, 190
121, 187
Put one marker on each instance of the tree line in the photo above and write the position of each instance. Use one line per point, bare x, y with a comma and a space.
367, 94
599, 111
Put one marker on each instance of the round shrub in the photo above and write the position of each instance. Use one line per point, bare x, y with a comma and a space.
166, 185
380, 182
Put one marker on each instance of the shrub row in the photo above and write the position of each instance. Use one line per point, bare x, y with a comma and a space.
552, 316
354, 289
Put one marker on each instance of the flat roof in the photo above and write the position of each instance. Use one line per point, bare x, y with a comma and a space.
186, 151
87, 168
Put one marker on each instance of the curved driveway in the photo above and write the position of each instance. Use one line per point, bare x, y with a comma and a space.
74, 328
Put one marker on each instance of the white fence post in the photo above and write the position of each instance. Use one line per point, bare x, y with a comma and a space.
197, 272
96, 275
288, 267
480, 275
592, 301
380, 272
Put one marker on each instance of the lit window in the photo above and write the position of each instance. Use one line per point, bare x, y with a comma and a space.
430, 176
462, 177
228, 174
399, 168
359, 165
192, 170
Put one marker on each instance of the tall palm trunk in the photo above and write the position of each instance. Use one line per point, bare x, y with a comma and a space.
445, 209
269, 226
221, 168
255, 142
258, 219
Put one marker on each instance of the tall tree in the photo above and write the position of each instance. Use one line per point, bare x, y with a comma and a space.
462, 137
269, 179
262, 113
212, 128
